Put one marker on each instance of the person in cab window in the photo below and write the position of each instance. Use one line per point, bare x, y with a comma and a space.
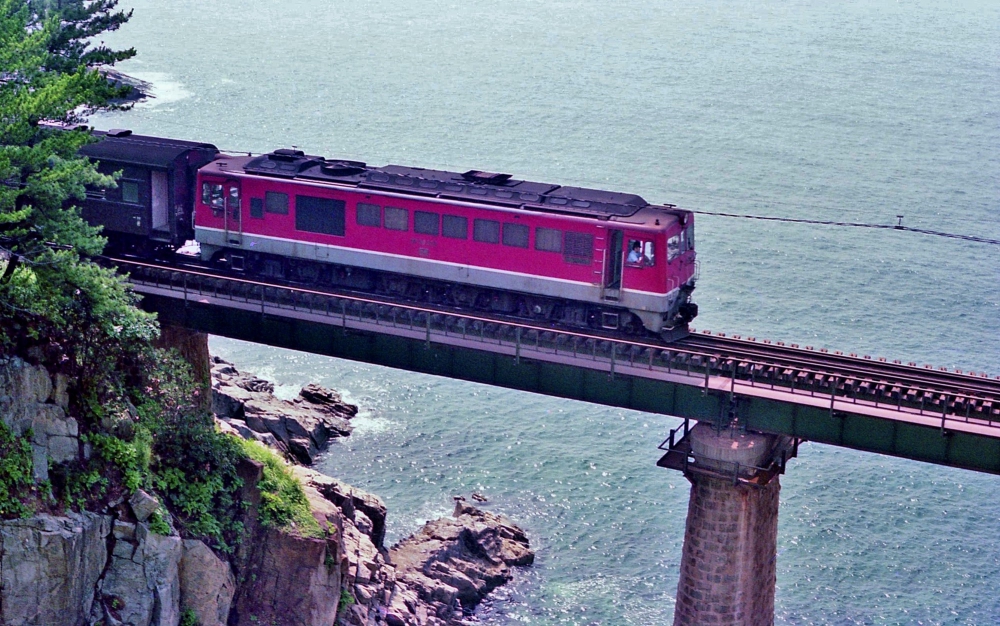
635, 255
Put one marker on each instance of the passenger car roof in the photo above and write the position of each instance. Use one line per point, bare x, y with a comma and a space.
140, 149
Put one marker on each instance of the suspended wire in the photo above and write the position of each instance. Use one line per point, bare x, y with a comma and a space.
923, 231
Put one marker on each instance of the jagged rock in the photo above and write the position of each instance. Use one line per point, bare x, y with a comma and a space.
225, 404
141, 586
123, 530
207, 584
302, 427
328, 400
143, 505
60, 391
49, 566
452, 563
349, 499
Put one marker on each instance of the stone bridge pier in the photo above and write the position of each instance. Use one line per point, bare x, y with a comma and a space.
193, 347
727, 571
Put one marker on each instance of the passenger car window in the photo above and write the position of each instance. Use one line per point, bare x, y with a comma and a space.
130, 191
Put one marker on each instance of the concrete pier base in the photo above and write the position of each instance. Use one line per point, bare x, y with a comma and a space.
193, 346
728, 562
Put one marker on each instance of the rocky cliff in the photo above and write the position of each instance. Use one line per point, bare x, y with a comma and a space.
118, 566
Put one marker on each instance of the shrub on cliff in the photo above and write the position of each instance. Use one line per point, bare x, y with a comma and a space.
283, 503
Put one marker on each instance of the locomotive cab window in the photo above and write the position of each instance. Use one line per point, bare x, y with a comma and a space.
639, 253
673, 247
212, 195
256, 207
319, 215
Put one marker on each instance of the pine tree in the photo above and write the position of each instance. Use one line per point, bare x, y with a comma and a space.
72, 43
53, 301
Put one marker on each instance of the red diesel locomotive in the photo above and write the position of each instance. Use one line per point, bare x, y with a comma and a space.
475, 240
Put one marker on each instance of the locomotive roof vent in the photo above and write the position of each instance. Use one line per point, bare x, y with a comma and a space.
342, 168
285, 163
486, 178
285, 154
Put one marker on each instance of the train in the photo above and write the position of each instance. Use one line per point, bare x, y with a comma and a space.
473, 241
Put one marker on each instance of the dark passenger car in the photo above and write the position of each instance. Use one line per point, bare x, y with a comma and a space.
153, 202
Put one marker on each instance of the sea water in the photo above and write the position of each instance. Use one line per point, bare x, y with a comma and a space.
851, 111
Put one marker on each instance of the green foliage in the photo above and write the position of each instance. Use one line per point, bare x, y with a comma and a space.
16, 478
136, 405
158, 525
79, 486
71, 44
346, 600
188, 618
122, 456
283, 503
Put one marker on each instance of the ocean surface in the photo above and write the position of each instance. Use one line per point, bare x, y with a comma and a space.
856, 110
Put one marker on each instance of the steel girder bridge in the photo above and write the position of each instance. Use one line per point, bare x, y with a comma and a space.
933, 415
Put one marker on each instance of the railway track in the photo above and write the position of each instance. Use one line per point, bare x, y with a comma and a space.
880, 382
909, 373
859, 377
